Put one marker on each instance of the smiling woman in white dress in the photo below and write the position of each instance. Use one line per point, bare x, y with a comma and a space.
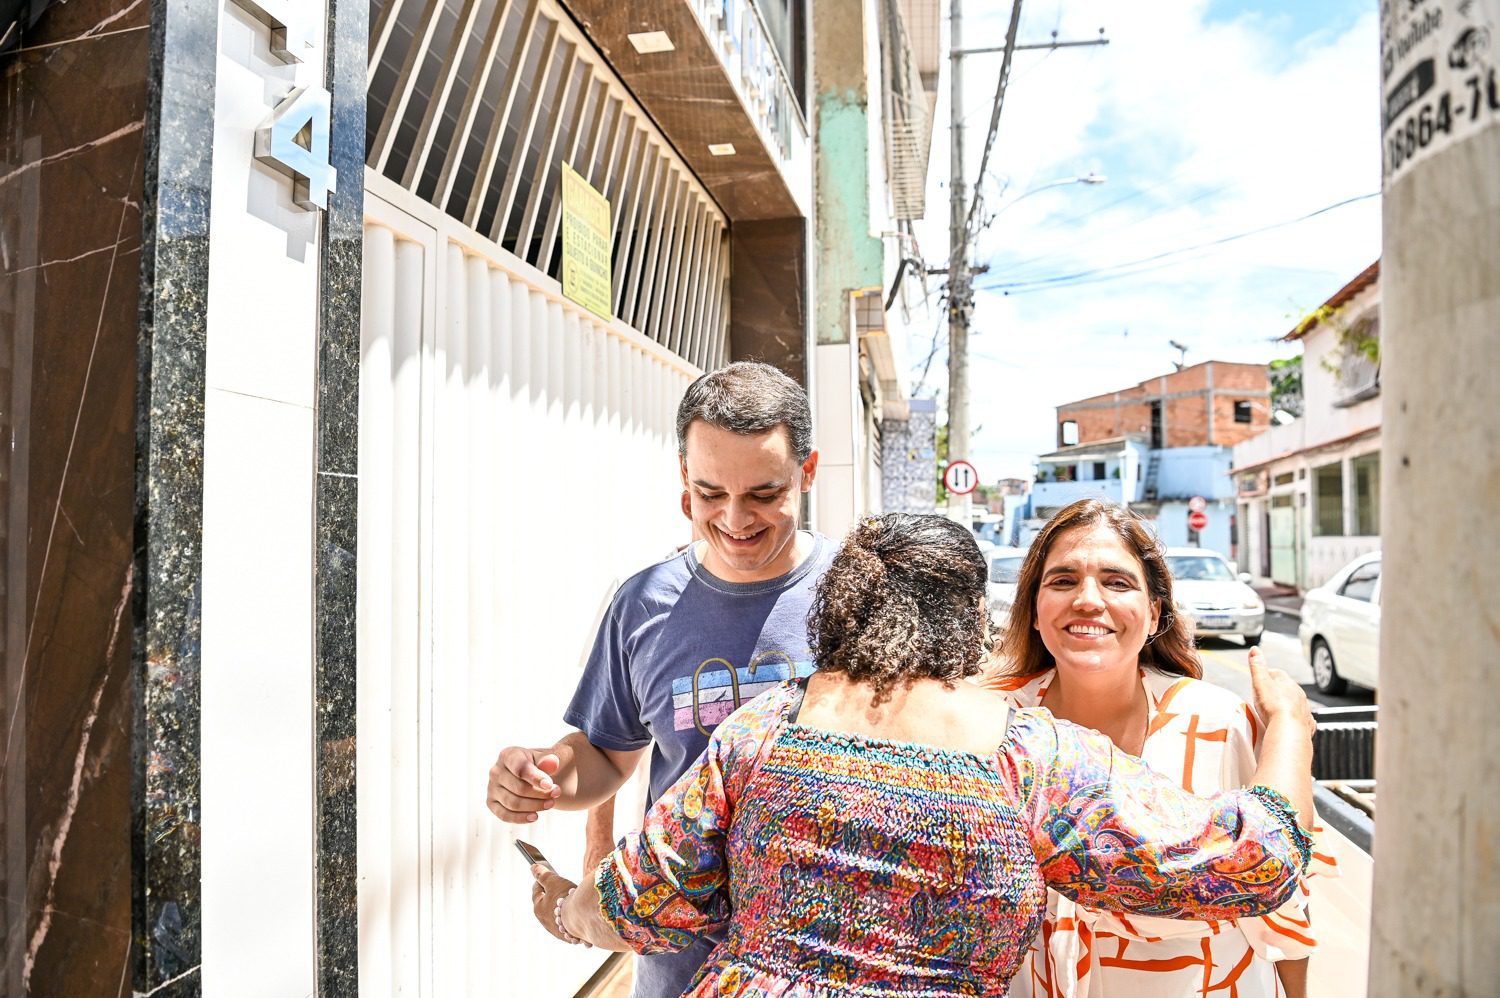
1092, 637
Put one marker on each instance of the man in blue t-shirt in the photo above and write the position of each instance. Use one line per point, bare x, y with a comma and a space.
686, 641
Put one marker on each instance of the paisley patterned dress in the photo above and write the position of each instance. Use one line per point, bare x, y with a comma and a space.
850, 866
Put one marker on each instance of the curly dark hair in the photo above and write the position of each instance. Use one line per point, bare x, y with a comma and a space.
1169, 650
902, 600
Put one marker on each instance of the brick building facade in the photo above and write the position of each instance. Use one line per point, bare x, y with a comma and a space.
1214, 403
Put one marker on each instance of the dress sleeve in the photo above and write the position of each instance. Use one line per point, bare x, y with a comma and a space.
668, 883
1109, 832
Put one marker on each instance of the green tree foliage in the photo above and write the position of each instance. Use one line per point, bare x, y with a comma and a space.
1286, 384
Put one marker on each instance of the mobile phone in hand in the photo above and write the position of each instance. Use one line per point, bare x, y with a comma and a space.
534, 856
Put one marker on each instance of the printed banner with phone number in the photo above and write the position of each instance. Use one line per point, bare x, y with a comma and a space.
1438, 76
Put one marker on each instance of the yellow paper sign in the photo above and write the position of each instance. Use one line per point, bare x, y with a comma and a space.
585, 244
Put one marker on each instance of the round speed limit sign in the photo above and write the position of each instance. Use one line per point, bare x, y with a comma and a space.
960, 478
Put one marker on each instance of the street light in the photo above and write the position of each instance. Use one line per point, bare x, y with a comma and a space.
960, 296
1091, 178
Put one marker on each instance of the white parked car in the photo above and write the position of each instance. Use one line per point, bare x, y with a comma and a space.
1340, 627
1005, 572
1218, 602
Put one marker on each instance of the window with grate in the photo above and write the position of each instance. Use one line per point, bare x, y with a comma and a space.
1328, 499
1365, 470
475, 105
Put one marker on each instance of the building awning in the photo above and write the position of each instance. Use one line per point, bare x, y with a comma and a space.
1340, 298
1311, 449
1091, 451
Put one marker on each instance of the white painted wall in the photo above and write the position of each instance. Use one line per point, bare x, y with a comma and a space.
517, 459
1322, 422
1194, 471
838, 491
1325, 434
258, 555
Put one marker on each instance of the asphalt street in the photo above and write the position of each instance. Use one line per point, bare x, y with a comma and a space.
1226, 661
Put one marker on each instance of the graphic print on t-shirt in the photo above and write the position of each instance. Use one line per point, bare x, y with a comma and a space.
716, 687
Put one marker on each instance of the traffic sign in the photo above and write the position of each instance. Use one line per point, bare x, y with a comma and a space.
960, 478
1197, 519
1197, 504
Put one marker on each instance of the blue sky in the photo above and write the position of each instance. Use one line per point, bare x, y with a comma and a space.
1211, 120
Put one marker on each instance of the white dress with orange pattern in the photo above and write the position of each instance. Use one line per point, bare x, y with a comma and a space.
1206, 737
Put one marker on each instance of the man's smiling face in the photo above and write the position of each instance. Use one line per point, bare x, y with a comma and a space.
745, 493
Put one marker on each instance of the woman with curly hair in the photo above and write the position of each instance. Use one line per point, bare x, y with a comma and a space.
1094, 638
883, 827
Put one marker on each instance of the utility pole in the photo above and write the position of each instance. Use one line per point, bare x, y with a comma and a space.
1437, 870
959, 300
964, 218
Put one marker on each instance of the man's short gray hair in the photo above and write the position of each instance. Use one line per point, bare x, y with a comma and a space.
750, 398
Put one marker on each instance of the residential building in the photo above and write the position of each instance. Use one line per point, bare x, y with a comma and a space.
875, 75
1160, 447
1213, 403
324, 326
1309, 490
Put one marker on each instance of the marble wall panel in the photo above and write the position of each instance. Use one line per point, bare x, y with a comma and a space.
171, 353
72, 115
337, 503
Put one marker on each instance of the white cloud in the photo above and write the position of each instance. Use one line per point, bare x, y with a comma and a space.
1206, 129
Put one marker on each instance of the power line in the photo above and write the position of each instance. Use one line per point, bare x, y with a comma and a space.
1108, 272
1111, 230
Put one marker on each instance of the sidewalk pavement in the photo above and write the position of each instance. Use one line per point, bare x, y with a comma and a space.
1284, 600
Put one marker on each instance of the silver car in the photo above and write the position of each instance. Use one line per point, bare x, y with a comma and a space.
1218, 602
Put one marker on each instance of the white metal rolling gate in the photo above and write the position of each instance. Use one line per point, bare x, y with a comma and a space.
516, 457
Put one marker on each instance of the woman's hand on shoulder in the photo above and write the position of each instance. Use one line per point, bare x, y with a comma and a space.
1277, 695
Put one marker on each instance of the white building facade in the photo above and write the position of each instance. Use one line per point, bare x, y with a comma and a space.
1309, 490
1162, 485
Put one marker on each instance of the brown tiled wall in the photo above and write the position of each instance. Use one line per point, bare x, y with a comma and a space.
1227, 432
1101, 424
1185, 419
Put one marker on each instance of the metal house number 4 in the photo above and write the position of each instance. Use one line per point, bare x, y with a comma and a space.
294, 139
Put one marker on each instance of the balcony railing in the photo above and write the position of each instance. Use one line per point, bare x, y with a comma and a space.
1050, 494
740, 37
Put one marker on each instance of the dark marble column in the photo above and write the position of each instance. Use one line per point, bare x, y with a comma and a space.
73, 110
337, 498
169, 495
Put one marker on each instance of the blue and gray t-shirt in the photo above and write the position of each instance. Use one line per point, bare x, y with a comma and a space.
678, 650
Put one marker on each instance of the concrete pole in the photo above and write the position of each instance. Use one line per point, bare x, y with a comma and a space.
1437, 841
958, 270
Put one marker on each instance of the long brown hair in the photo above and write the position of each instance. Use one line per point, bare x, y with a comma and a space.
1169, 649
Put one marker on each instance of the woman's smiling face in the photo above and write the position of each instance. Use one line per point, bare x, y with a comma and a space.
1093, 610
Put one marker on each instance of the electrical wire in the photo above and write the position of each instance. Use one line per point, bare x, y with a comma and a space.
1094, 237
927, 364
1108, 272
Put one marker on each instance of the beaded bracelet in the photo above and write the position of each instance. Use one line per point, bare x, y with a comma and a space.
567, 936
1281, 809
